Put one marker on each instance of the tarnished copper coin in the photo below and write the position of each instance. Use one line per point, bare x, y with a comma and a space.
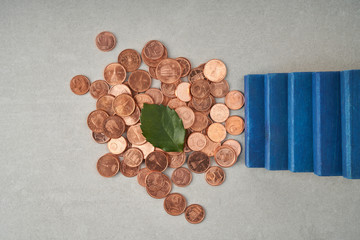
114, 73
117, 145
194, 213
100, 137
139, 80
185, 66
133, 157
158, 185
216, 132
128, 171
133, 118
135, 136
105, 103
219, 89
196, 141
168, 70
169, 89
219, 112
96, 120
200, 89
105, 41
202, 104
175, 204
141, 176
151, 62
146, 148
234, 144
157, 161
156, 95
99, 88
108, 165
80, 84
187, 116
215, 176
234, 100
175, 103
124, 105
181, 177
182, 91
215, 70
198, 162
114, 126
130, 59
154, 49
176, 159
196, 74
225, 156
152, 72
118, 89
234, 125
210, 147
200, 123
142, 98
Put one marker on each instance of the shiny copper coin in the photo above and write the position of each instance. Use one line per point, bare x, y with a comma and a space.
133, 118
124, 105
175, 204
234, 100
152, 72
105, 41
175, 103
216, 132
210, 147
215, 176
196, 74
198, 162
142, 98
139, 80
200, 123
234, 125
105, 103
196, 141
157, 161
108, 165
141, 176
201, 104
146, 148
130, 59
219, 112
114, 73
118, 89
114, 126
169, 89
181, 177
234, 144
135, 136
194, 213
215, 70
187, 116
133, 157
200, 89
182, 91
185, 66
151, 62
80, 84
225, 156
100, 137
176, 159
99, 88
96, 120
168, 70
158, 185
219, 89
156, 95
154, 50
129, 171
117, 145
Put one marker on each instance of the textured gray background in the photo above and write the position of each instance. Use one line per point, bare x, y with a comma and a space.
49, 186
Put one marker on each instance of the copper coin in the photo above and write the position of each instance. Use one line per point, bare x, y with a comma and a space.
152, 72
215, 70
169, 89
100, 137
118, 89
201, 104
108, 165
216, 132
210, 147
96, 120
166, 100
158, 185
133, 118
156, 95
234, 144
117, 145
219, 112
146, 148
114, 126
194, 213
124, 105
168, 70
114, 73
128, 171
139, 80
182, 91
105, 103
151, 62
200, 89
175, 103
234, 125
215, 176
141, 176
142, 98
157, 161
135, 136
99, 88
105, 41
185, 66
133, 157
200, 123
176, 159
196, 141
175, 204
198, 162
130, 59
133, 93
80, 84
225, 156
154, 49
201, 66
234, 100
196, 74
181, 177
219, 89
187, 116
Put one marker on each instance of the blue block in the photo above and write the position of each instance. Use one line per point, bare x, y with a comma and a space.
350, 123
254, 120
276, 121
300, 134
326, 123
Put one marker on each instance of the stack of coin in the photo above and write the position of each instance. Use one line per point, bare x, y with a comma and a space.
192, 92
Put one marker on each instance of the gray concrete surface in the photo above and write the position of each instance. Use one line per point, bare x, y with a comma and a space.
49, 186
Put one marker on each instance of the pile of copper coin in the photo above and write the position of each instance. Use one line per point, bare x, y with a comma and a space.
192, 92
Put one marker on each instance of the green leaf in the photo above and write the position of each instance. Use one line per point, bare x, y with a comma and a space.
162, 127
